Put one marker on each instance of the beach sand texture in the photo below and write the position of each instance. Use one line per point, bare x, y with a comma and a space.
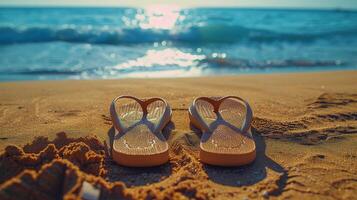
305, 128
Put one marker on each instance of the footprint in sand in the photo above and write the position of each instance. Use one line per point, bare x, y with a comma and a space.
322, 121
70, 113
107, 119
328, 100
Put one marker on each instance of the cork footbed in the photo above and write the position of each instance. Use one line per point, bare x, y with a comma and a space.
223, 142
138, 144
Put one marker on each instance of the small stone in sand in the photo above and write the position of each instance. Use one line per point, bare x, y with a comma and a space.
89, 192
265, 194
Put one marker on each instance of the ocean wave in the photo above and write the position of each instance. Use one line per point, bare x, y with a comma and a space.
267, 64
195, 34
44, 71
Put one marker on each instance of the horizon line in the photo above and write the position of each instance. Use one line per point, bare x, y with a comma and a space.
184, 7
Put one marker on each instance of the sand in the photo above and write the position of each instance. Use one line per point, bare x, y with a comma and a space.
305, 128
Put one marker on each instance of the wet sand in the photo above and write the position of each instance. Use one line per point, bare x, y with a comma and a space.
305, 128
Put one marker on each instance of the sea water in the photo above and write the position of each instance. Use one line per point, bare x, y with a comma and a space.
168, 41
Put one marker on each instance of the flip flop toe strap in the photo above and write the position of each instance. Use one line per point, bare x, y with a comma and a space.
216, 105
144, 104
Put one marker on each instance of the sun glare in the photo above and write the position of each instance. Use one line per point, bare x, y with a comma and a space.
158, 17
165, 57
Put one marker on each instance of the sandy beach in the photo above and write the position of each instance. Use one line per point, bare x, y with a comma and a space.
305, 128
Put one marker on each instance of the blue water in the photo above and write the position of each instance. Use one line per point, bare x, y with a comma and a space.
97, 43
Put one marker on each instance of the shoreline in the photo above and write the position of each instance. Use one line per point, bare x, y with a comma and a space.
191, 77
328, 9
305, 128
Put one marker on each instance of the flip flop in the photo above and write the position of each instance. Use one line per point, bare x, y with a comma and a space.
226, 135
138, 140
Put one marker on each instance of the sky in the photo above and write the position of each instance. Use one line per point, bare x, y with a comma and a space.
347, 4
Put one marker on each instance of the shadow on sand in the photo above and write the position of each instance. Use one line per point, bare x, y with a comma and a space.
248, 174
136, 176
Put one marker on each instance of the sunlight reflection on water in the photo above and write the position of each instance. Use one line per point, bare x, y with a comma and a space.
175, 61
165, 57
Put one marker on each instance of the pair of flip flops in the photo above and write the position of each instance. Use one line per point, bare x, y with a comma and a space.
224, 121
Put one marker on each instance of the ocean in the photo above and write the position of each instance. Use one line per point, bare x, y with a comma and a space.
168, 41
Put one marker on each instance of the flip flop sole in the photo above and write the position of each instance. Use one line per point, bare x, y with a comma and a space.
140, 160
225, 159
